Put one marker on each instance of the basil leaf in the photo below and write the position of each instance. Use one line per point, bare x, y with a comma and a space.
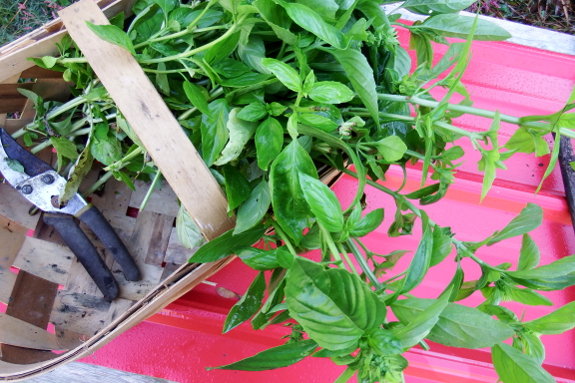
342, 303
513, 366
458, 325
554, 276
367, 224
442, 245
420, 262
197, 96
277, 19
167, 5
421, 324
331, 92
323, 203
318, 121
439, 6
66, 148
534, 347
260, 320
502, 313
240, 132
557, 322
222, 49
237, 186
227, 244
275, 357
289, 204
254, 208
214, 130
384, 342
392, 148
113, 35
360, 75
529, 254
189, 233
453, 25
269, 141
253, 112
259, 259
527, 296
285, 73
107, 150
312, 22
528, 219
248, 305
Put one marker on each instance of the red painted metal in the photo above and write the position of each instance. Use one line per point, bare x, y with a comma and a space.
178, 342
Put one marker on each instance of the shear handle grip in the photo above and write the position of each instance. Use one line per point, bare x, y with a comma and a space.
94, 219
86, 253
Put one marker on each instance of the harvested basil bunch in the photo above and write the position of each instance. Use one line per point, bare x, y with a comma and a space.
270, 92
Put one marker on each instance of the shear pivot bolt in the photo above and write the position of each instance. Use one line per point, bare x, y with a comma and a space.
27, 189
48, 179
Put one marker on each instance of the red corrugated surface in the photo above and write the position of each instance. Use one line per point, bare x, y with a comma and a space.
182, 339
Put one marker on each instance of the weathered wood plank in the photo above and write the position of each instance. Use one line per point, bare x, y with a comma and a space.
12, 236
15, 207
16, 332
162, 200
143, 107
45, 259
7, 282
78, 312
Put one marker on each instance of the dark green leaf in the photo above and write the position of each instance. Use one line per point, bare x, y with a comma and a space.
259, 259
528, 219
276, 357
513, 366
331, 92
227, 244
248, 305
384, 343
420, 262
342, 303
214, 130
254, 208
253, 112
369, 223
323, 203
290, 207
113, 35
230, 68
222, 49
557, 322
246, 79
453, 25
237, 187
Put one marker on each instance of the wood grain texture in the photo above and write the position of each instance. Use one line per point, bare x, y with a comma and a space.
84, 373
45, 259
143, 107
16, 332
15, 207
163, 200
12, 236
7, 282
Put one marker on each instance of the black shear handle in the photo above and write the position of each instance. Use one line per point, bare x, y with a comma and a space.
86, 253
94, 219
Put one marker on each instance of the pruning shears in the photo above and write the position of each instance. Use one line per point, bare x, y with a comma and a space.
40, 184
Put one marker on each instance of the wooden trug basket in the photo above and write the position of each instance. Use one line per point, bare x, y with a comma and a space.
52, 313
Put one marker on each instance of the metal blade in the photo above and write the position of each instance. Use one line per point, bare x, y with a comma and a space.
11, 150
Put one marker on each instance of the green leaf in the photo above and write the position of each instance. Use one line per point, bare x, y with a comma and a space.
557, 322
439, 6
526, 296
167, 5
15, 165
214, 130
254, 208
240, 132
222, 49
197, 96
227, 244
528, 219
323, 203
237, 186
106, 149
289, 204
253, 112
421, 324
458, 325
77, 174
259, 259
49, 61
554, 276
453, 25
312, 22
513, 366
392, 148
318, 121
189, 233
276, 296
420, 262
331, 92
248, 305
126, 128
65, 147
113, 35
360, 74
285, 73
276, 357
384, 342
442, 245
367, 224
342, 306
269, 141
277, 19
